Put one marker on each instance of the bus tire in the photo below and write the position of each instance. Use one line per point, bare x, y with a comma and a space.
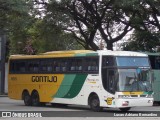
26, 98
125, 109
95, 103
35, 99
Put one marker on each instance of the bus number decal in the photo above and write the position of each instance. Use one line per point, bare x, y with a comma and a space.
44, 79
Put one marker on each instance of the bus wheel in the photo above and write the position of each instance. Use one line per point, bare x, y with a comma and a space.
35, 99
95, 103
125, 109
27, 98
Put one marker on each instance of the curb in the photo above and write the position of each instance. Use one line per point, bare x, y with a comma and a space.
5, 95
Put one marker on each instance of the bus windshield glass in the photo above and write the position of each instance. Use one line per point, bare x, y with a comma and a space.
132, 61
134, 80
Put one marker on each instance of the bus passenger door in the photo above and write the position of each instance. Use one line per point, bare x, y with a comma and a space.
111, 80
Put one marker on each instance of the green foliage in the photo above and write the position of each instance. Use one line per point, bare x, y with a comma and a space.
146, 26
30, 33
15, 20
88, 19
49, 37
143, 41
35, 26
10, 11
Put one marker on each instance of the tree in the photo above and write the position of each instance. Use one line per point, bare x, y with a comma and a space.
14, 19
60, 25
11, 11
146, 24
142, 41
86, 19
28, 32
47, 36
18, 34
109, 20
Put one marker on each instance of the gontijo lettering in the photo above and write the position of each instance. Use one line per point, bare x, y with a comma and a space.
44, 79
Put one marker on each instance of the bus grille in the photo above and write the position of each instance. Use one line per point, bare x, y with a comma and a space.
142, 95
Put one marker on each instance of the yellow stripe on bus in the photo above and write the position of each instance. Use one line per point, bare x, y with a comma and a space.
132, 93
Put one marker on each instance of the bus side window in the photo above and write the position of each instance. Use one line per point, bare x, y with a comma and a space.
157, 62
78, 65
89, 66
111, 81
33, 66
58, 67
107, 61
17, 67
54, 65
152, 61
49, 68
92, 64
63, 66
22, 67
73, 66
43, 66
12, 67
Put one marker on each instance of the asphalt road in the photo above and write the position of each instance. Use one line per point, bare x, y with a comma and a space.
16, 109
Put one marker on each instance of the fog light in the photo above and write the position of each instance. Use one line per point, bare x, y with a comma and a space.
150, 101
125, 103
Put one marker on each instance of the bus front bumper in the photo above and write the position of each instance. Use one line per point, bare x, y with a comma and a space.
129, 102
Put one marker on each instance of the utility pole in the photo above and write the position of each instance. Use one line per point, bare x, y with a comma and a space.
2, 61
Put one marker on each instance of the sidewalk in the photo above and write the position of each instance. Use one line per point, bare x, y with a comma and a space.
4, 95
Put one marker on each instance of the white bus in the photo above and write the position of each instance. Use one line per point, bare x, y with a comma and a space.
116, 79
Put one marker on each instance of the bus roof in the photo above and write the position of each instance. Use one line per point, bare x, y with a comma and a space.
153, 54
72, 53
121, 53
67, 52
52, 54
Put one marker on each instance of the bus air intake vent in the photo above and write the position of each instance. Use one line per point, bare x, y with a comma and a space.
134, 95
142, 95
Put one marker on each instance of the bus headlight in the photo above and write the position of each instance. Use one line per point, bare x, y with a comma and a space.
125, 103
150, 101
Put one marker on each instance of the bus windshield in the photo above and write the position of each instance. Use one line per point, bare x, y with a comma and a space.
132, 61
134, 80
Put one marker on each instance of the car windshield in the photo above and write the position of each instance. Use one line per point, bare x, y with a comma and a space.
134, 80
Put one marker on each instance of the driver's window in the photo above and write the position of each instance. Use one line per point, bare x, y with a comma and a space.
111, 81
